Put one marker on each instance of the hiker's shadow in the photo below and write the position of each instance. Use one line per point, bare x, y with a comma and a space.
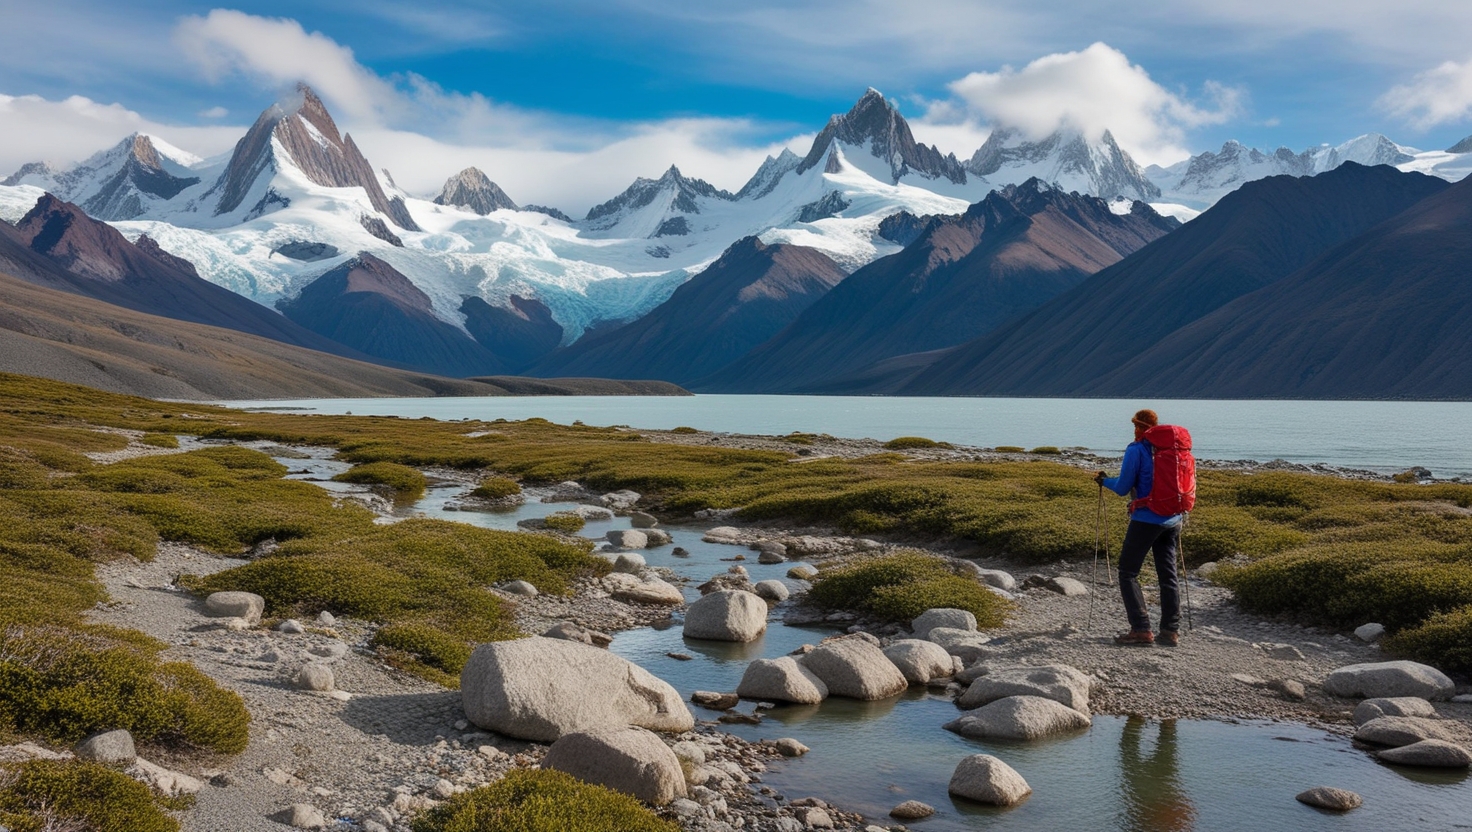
406, 718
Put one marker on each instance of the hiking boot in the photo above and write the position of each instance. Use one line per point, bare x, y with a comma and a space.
1135, 638
1168, 638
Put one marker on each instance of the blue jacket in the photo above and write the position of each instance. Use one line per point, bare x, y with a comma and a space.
1137, 474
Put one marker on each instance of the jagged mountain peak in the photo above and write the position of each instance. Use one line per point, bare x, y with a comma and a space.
874, 123
120, 182
1463, 146
1067, 157
681, 194
472, 189
301, 126
769, 174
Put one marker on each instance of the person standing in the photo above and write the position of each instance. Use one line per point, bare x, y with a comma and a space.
1158, 506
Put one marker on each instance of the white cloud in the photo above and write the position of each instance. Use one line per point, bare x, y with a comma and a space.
1441, 95
67, 131
1092, 90
214, 112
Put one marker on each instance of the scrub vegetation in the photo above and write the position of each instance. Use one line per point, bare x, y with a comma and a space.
899, 587
541, 801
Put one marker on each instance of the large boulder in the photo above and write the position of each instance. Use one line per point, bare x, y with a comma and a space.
952, 619
1390, 679
1396, 731
856, 668
781, 680
1429, 753
985, 779
1058, 682
919, 660
247, 605
634, 590
967, 645
1018, 718
727, 615
541, 688
1394, 706
628, 760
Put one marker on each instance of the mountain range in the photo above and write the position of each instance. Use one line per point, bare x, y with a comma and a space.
872, 263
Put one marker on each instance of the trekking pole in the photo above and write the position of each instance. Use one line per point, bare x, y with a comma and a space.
1185, 580
1094, 571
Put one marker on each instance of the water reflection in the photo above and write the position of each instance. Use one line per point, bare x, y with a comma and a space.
1150, 780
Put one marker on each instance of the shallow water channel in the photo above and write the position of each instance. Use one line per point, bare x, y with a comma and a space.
1121, 774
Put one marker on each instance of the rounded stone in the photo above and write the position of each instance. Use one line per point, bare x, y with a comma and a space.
1372, 709
1018, 718
772, 590
1328, 797
854, 667
520, 588
986, 779
291, 627
912, 810
315, 676
1390, 679
727, 615
946, 617
1433, 753
246, 605
781, 679
629, 760
109, 747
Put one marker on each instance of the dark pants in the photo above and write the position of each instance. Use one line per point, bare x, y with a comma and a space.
1163, 541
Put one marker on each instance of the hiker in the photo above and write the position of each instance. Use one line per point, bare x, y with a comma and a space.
1159, 474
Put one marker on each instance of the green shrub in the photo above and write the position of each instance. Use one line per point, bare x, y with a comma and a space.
160, 440
66, 683
1046, 450
564, 522
683, 429
52, 795
495, 488
1444, 639
1010, 449
407, 484
424, 651
541, 800
904, 443
900, 586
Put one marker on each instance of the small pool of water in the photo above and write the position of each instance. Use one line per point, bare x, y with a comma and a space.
1120, 774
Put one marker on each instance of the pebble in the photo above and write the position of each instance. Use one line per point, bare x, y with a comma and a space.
291, 627
790, 747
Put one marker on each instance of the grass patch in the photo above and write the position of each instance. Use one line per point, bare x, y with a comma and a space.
1010, 449
77, 796
906, 443
686, 429
900, 586
541, 801
159, 440
564, 522
406, 483
496, 488
1049, 450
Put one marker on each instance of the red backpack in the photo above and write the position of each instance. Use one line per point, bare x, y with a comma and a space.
1174, 488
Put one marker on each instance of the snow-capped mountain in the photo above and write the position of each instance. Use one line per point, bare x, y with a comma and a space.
472, 189
119, 183
1200, 181
1065, 158
874, 131
651, 208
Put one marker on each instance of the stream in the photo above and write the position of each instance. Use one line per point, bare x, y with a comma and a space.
1124, 773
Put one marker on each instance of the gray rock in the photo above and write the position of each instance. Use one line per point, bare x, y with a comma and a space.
568, 631
985, 779
1290, 689
771, 547
634, 590
727, 615
715, 701
912, 810
1328, 797
1433, 753
1463, 699
164, 781
802, 573
620, 500
520, 588
642, 520
590, 512
246, 605
1396, 706
998, 579
302, 816
1369, 633
1396, 731
781, 680
316, 676
919, 660
951, 619
326, 619
1389, 679
772, 590
1067, 586
1018, 718
855, 668
540, 688
723, 534
109, 747
969, 646
789, 747
629, 539
1058, 682
291, 627
630, 760
690, 752
658, 537
769, 558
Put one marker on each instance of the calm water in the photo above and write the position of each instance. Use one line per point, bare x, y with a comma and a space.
1378, 436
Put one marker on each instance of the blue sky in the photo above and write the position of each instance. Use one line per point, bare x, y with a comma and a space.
625, 87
